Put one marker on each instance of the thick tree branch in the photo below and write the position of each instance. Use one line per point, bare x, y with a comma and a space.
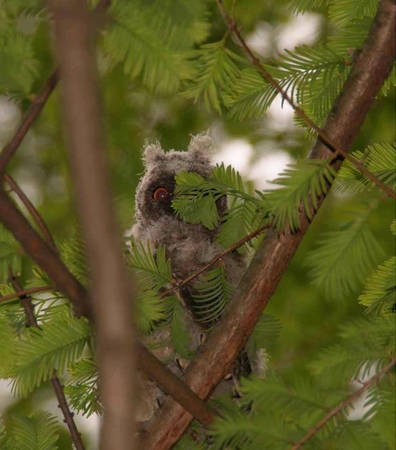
56, 384
43, 255
217, 355
365, 386
112, 291
338, 147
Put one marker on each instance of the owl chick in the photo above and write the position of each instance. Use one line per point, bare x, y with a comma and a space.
188, 246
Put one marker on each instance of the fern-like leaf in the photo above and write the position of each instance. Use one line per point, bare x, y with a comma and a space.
54, 346
380, 289
215, 71
211, 295
82, 390
379, 159
147, 41
344, 257
343, 12
304, 183
36, 432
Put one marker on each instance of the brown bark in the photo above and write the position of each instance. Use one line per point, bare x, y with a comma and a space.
212, 362
111, 290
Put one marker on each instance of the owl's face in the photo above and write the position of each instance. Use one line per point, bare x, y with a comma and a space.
156, 188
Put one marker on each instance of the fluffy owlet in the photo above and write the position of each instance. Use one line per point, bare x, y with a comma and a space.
189, 246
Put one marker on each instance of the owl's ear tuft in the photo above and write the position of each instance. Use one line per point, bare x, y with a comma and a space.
201, 146
152, 153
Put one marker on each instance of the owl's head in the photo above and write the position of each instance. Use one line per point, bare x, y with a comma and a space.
155, 191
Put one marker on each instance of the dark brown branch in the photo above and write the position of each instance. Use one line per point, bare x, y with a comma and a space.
231, 248
217, 355
32, 210
365, 386
43, 255
173, 386
56, 384
34, 290
64, 281
333, 144
112, 291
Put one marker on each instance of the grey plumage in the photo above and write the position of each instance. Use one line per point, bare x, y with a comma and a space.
189, 246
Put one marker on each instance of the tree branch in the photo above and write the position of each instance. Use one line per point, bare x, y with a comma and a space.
32, 210
39, 101
29, 291
30, 116
373, 380
217, 355
112, 291
332, 144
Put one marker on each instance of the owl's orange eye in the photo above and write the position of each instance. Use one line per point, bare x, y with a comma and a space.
161, 193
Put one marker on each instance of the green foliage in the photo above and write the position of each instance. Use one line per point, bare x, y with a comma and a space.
380, 290
212, 294
152, 274
82, 389
379, 159
196, 199
51, 347
16, 79
10, 257
181, 340
367, 344
36, 432
344, 256
304, 183
343, 12
151, 40
216, 70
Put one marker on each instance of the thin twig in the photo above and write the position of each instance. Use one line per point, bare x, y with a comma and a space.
33, 290
40, 100
32, 210
30, 116
373, 380
56, 384
231, 248
323, 136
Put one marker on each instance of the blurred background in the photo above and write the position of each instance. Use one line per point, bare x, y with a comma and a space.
259, 148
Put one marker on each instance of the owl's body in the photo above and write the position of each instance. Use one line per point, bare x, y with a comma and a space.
189, 246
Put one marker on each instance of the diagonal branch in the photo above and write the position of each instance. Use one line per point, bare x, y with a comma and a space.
32, 210
334, 145
56, 384
222, 346
365, 386
65, 282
